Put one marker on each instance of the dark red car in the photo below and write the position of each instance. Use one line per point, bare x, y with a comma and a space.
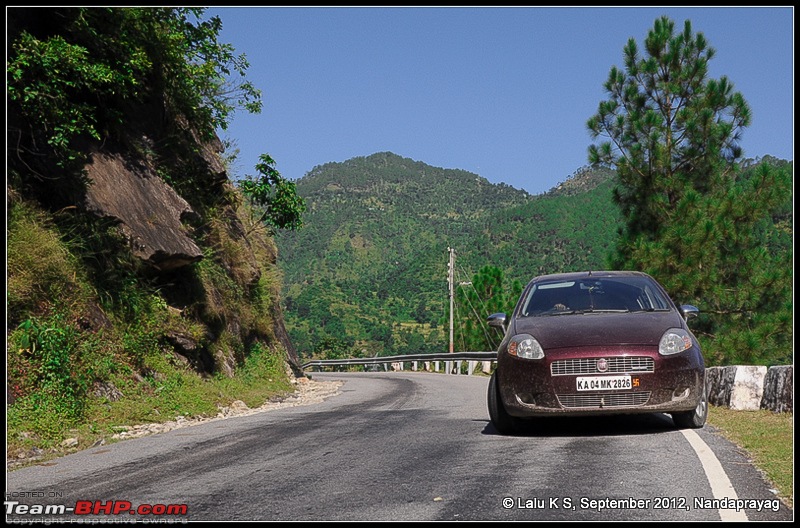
598, 342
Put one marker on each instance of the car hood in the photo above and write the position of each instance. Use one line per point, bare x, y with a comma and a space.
598, 329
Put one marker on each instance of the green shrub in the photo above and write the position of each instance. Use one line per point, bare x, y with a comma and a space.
41, 272
47, 376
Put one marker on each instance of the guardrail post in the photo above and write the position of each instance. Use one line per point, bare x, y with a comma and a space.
487, 367
414, 366
471, 366
458, 367
448, 367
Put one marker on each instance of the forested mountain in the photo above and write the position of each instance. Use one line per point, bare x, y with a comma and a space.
368, 272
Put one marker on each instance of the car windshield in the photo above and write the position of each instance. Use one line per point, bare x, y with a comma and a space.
613, 294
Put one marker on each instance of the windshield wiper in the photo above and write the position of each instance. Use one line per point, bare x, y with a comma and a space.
584, 311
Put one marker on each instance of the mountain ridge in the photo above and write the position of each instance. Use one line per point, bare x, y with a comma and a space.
393, 219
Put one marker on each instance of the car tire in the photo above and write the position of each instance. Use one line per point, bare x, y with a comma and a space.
503, 422
695, 419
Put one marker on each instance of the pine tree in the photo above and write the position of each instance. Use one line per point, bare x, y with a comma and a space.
488, 292
692, 219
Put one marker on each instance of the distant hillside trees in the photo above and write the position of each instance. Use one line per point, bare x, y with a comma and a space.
489, 292
372, 252
692, 218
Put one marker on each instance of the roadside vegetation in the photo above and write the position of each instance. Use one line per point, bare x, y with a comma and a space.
768, 439
85, 357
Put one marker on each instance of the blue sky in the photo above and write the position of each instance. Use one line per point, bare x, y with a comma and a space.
504, 92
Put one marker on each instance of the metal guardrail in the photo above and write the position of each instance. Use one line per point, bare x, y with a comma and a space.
445, 356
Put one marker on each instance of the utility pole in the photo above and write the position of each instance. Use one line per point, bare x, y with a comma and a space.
450, 282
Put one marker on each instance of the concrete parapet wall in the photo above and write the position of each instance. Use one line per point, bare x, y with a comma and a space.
779, 389
750, 388
720, 383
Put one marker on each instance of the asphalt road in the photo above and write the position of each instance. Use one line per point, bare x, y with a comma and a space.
396, 447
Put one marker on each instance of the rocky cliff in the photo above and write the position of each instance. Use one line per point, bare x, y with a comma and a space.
170, 220
166, 233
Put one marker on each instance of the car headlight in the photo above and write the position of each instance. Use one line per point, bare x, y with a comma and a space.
673, 341
525, 346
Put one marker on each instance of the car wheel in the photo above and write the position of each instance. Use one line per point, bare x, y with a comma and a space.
693, 419
501, 420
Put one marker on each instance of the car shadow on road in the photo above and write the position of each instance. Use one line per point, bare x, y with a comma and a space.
631, 424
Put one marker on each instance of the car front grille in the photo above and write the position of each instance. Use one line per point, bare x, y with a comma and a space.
616, 365
602, 401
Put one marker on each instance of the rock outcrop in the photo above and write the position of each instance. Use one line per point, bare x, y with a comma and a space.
149, 211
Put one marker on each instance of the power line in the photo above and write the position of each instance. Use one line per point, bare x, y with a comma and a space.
484, 328
481, 319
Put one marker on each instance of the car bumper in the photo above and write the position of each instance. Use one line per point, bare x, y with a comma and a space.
529, 388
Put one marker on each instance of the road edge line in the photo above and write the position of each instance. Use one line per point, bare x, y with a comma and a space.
721, 485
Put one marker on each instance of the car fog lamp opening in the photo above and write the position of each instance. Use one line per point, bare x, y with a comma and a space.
673, 341
681, 393
526, 347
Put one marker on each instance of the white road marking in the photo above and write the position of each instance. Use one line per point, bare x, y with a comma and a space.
721, 485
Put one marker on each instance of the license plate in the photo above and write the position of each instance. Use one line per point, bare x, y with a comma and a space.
593, 383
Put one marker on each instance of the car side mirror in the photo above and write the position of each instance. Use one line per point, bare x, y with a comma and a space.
498, 320
688, 311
